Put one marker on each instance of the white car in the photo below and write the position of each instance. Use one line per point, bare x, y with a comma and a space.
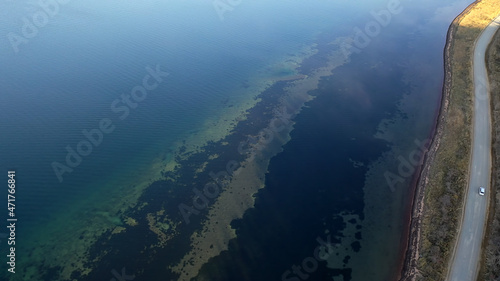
481, 191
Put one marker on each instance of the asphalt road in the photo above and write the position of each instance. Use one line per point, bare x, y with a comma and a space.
465, 263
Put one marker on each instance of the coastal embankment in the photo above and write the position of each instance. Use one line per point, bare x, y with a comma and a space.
439, 194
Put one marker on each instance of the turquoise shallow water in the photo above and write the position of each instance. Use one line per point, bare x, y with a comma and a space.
65, 78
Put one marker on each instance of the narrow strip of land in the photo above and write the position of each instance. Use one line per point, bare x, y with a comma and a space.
465, 262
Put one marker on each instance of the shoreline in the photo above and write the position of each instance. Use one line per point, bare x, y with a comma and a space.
414, 200
408, 269
410, 250
410, 239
